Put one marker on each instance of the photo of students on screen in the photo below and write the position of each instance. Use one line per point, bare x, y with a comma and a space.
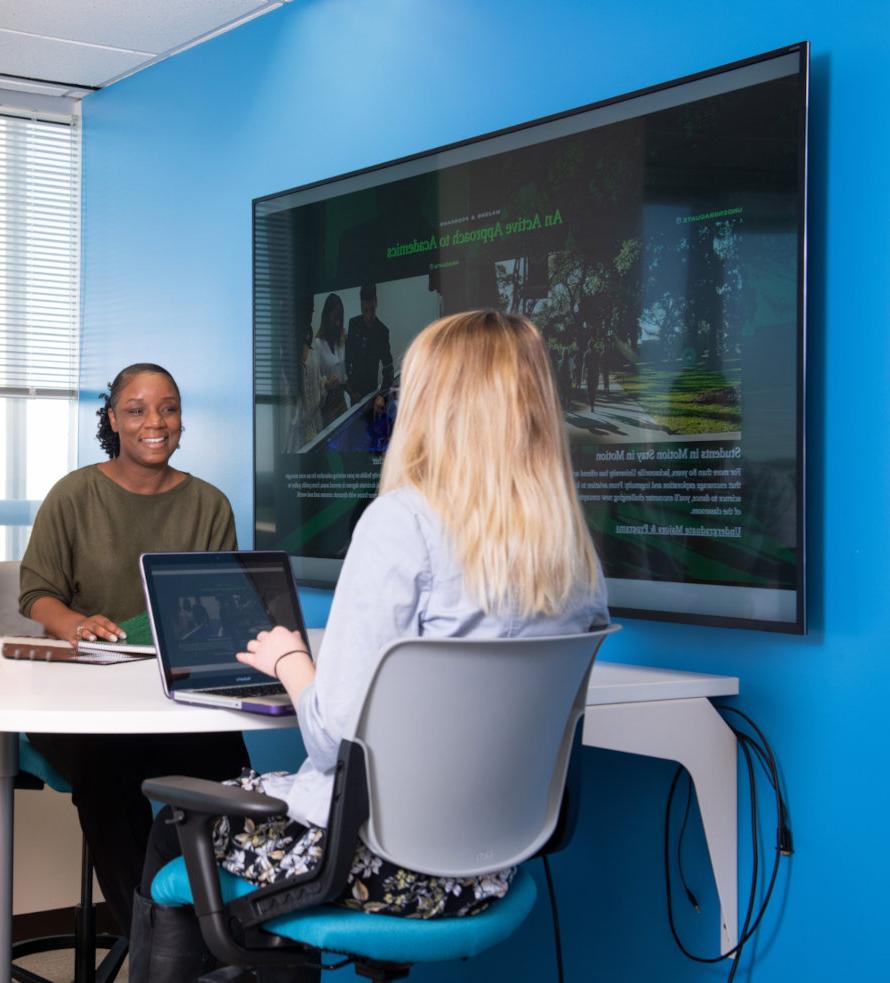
349, 423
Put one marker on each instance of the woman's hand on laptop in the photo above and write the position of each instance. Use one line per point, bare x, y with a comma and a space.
282, 654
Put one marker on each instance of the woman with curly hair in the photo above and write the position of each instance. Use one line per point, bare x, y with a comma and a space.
80, 580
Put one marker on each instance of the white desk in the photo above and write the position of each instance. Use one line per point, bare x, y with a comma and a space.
659, 713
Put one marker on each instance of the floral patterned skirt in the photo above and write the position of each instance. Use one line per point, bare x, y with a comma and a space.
276, 848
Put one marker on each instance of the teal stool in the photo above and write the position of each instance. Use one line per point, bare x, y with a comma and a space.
35, 772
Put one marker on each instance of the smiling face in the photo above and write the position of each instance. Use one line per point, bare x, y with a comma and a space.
147, 418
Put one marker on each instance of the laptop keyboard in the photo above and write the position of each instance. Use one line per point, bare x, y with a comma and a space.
260, 689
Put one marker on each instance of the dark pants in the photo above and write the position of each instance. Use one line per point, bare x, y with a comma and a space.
106, 773
163, 846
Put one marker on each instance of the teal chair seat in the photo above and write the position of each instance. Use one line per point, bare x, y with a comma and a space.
385, 938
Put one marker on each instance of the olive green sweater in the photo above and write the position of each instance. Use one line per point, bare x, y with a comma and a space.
88, 534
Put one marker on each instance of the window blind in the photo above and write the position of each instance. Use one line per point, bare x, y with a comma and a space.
39, 256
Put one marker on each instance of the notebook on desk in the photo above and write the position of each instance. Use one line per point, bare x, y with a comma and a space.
36, 648
203, 608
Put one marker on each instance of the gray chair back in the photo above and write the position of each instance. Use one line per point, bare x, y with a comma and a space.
467, 745
11, 622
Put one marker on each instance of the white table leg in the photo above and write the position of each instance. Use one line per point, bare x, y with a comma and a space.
9, 765
692, 733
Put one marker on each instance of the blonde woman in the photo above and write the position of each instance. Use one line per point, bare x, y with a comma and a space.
477, 531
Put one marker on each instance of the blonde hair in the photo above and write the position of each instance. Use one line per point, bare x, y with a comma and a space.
480, 434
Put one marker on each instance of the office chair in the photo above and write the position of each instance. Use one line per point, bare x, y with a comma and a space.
35, 772
457, 767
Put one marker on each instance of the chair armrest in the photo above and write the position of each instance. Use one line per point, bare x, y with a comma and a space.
349, 811
196, 804
197, 795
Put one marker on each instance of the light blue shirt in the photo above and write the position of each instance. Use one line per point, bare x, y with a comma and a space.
399, 580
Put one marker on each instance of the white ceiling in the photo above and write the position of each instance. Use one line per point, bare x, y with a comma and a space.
68, 48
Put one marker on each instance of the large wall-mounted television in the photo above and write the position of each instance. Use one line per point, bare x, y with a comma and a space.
658, 239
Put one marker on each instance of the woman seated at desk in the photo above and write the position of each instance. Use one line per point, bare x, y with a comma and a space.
477, 531
80, 579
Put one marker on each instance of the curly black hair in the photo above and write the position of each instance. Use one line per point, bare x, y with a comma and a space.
109, 441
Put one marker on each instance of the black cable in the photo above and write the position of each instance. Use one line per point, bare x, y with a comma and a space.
557, 941
785, 843
752, 750
748, 927
693, 900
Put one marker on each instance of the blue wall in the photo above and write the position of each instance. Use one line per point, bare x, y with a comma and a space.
173, 158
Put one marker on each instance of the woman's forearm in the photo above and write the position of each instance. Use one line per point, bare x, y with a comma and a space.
296, 672
60, 621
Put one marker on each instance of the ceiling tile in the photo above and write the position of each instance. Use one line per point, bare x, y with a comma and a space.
60, 62
139, 25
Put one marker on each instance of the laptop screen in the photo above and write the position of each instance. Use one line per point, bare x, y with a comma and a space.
205, 607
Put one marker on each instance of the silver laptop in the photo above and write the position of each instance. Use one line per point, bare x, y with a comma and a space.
205, 607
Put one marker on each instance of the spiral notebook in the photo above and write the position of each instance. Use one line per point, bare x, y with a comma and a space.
40, 649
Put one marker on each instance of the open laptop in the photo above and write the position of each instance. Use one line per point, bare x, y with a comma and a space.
205, 607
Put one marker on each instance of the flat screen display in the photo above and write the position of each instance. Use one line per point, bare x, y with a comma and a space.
658, 241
